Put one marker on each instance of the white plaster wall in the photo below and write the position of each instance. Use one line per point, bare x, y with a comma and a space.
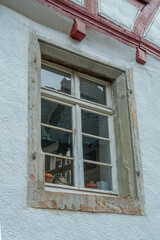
119, 11
20, 222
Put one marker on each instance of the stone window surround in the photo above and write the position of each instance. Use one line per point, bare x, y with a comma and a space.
130, 198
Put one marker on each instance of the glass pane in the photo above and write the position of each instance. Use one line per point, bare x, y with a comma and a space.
92, 91
96, 150
56, 114
55, 141
94, 124
97, 177
61, 170
55, 79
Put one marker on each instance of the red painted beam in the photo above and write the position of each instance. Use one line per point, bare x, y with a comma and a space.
78, 31
150, 48
94, 21
145, 18
91, 6
141, 56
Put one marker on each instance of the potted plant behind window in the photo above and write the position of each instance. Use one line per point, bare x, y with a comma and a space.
48, 177
91, 184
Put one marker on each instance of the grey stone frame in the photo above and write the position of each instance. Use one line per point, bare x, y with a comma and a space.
130, 199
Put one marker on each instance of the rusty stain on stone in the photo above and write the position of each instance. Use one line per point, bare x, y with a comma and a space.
87, 203
65, 206
54, 204
42, 205
36, 68
73, 207
32, 177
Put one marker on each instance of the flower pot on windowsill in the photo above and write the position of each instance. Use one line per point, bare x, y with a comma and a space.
48, 177
91, 185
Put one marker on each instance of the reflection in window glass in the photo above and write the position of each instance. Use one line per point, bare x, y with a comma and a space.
96, 150
56, 141
97, 177
94, 124
92, 91
55, 79
61, 170
56, 114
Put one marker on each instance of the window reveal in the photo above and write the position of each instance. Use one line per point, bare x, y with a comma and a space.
76, 124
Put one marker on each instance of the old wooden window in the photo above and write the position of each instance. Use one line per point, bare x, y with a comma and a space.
82, 129
77, 133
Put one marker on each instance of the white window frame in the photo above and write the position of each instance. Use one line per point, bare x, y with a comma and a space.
77, 104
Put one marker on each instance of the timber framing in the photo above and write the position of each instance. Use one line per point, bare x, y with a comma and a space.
89, 16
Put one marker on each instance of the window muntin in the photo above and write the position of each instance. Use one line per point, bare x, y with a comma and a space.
94, 146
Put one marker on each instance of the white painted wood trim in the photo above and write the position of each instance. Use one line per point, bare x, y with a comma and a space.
51, 187
111, 131
97, 163
57, 128
52, 94
57, 156
54, 65
79, 156
96, 137
93, 79
77, 105
56, 101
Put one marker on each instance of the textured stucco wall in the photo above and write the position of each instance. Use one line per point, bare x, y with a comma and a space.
16, 219
121, 12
